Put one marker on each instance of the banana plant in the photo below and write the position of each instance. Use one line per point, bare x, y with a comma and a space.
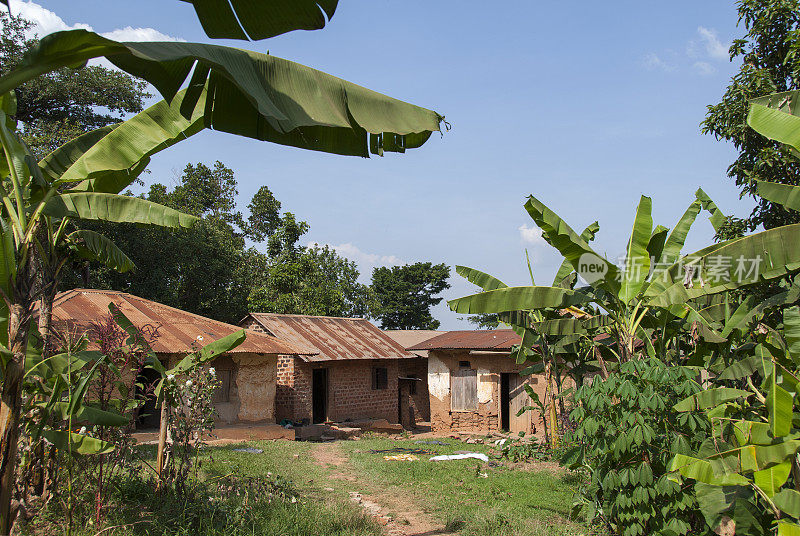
744, 471
548, 335
750, 471
232, 90
626, 294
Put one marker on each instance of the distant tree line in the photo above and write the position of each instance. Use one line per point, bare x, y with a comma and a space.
228, 264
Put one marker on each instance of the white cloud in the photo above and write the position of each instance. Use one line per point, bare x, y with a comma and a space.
138, 34
46, 21
704, 68
365, 261
653, 62
708, 45
531, 235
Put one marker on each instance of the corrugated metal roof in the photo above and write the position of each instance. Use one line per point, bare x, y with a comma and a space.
179, 332
409, 337
496, 339
332, 337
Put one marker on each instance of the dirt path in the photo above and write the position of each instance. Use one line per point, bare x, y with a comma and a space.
400, 515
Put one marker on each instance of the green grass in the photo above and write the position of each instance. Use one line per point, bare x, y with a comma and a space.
504, 502
507, 502
138, 511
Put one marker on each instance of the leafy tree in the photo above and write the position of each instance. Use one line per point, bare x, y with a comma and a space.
204, 270
405, 294
484, 321
66, 103
306, 280
770, 63
210, 270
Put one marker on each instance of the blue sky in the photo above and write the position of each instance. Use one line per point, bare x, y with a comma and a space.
586, 105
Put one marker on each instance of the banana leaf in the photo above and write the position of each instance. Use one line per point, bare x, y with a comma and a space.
566, 268
260, 19
94, 246
658, 239
114, 208
637, 258
481, 279
571, 245
249, 94
782, 194
710, 398
771, 479
717, 218
517, 299
733, 264
91, 415
106, 156
77, 443
677, 238
788, 500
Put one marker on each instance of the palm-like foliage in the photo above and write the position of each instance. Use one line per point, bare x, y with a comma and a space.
231, 90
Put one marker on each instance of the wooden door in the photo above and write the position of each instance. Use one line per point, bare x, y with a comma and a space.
518, 399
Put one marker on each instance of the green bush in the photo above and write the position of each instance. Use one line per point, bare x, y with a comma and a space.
628, 431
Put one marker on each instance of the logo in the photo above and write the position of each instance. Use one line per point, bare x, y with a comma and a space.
592, 268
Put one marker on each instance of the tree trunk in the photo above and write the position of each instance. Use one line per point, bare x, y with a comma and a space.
10, 408
162, 442
45, 333
602, 363
46, 319
551, 408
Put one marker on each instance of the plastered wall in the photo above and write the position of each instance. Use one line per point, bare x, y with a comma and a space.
487, 417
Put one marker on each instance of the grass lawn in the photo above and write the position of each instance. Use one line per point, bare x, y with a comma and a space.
309, 494
469, 495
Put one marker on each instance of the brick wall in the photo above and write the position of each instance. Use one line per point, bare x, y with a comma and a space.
350, 392
351, 396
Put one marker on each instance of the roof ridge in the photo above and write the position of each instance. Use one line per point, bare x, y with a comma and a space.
308, 316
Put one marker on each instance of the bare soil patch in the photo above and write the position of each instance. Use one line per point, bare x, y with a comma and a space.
399, 514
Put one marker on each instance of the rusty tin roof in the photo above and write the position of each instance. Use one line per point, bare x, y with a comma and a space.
179, 332
496, 339
410, 337
333, 338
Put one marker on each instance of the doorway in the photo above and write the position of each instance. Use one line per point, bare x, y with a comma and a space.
319, 395
513, 398
505, 402
148, 416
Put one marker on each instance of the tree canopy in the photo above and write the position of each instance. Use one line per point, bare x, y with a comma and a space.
217, 268
405, 294
60, 105
769, 63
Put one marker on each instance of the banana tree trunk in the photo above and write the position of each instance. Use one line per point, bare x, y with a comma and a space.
551, 406
602, 363
46, 319
162, 443
10, 409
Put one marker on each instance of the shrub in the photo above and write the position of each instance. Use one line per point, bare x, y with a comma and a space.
627, 434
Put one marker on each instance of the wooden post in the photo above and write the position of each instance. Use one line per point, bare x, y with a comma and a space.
162, 442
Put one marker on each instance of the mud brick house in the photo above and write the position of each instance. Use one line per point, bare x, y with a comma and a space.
475, 386
358, 372
248, 372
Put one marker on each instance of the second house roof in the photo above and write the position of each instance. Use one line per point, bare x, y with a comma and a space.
334, 338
